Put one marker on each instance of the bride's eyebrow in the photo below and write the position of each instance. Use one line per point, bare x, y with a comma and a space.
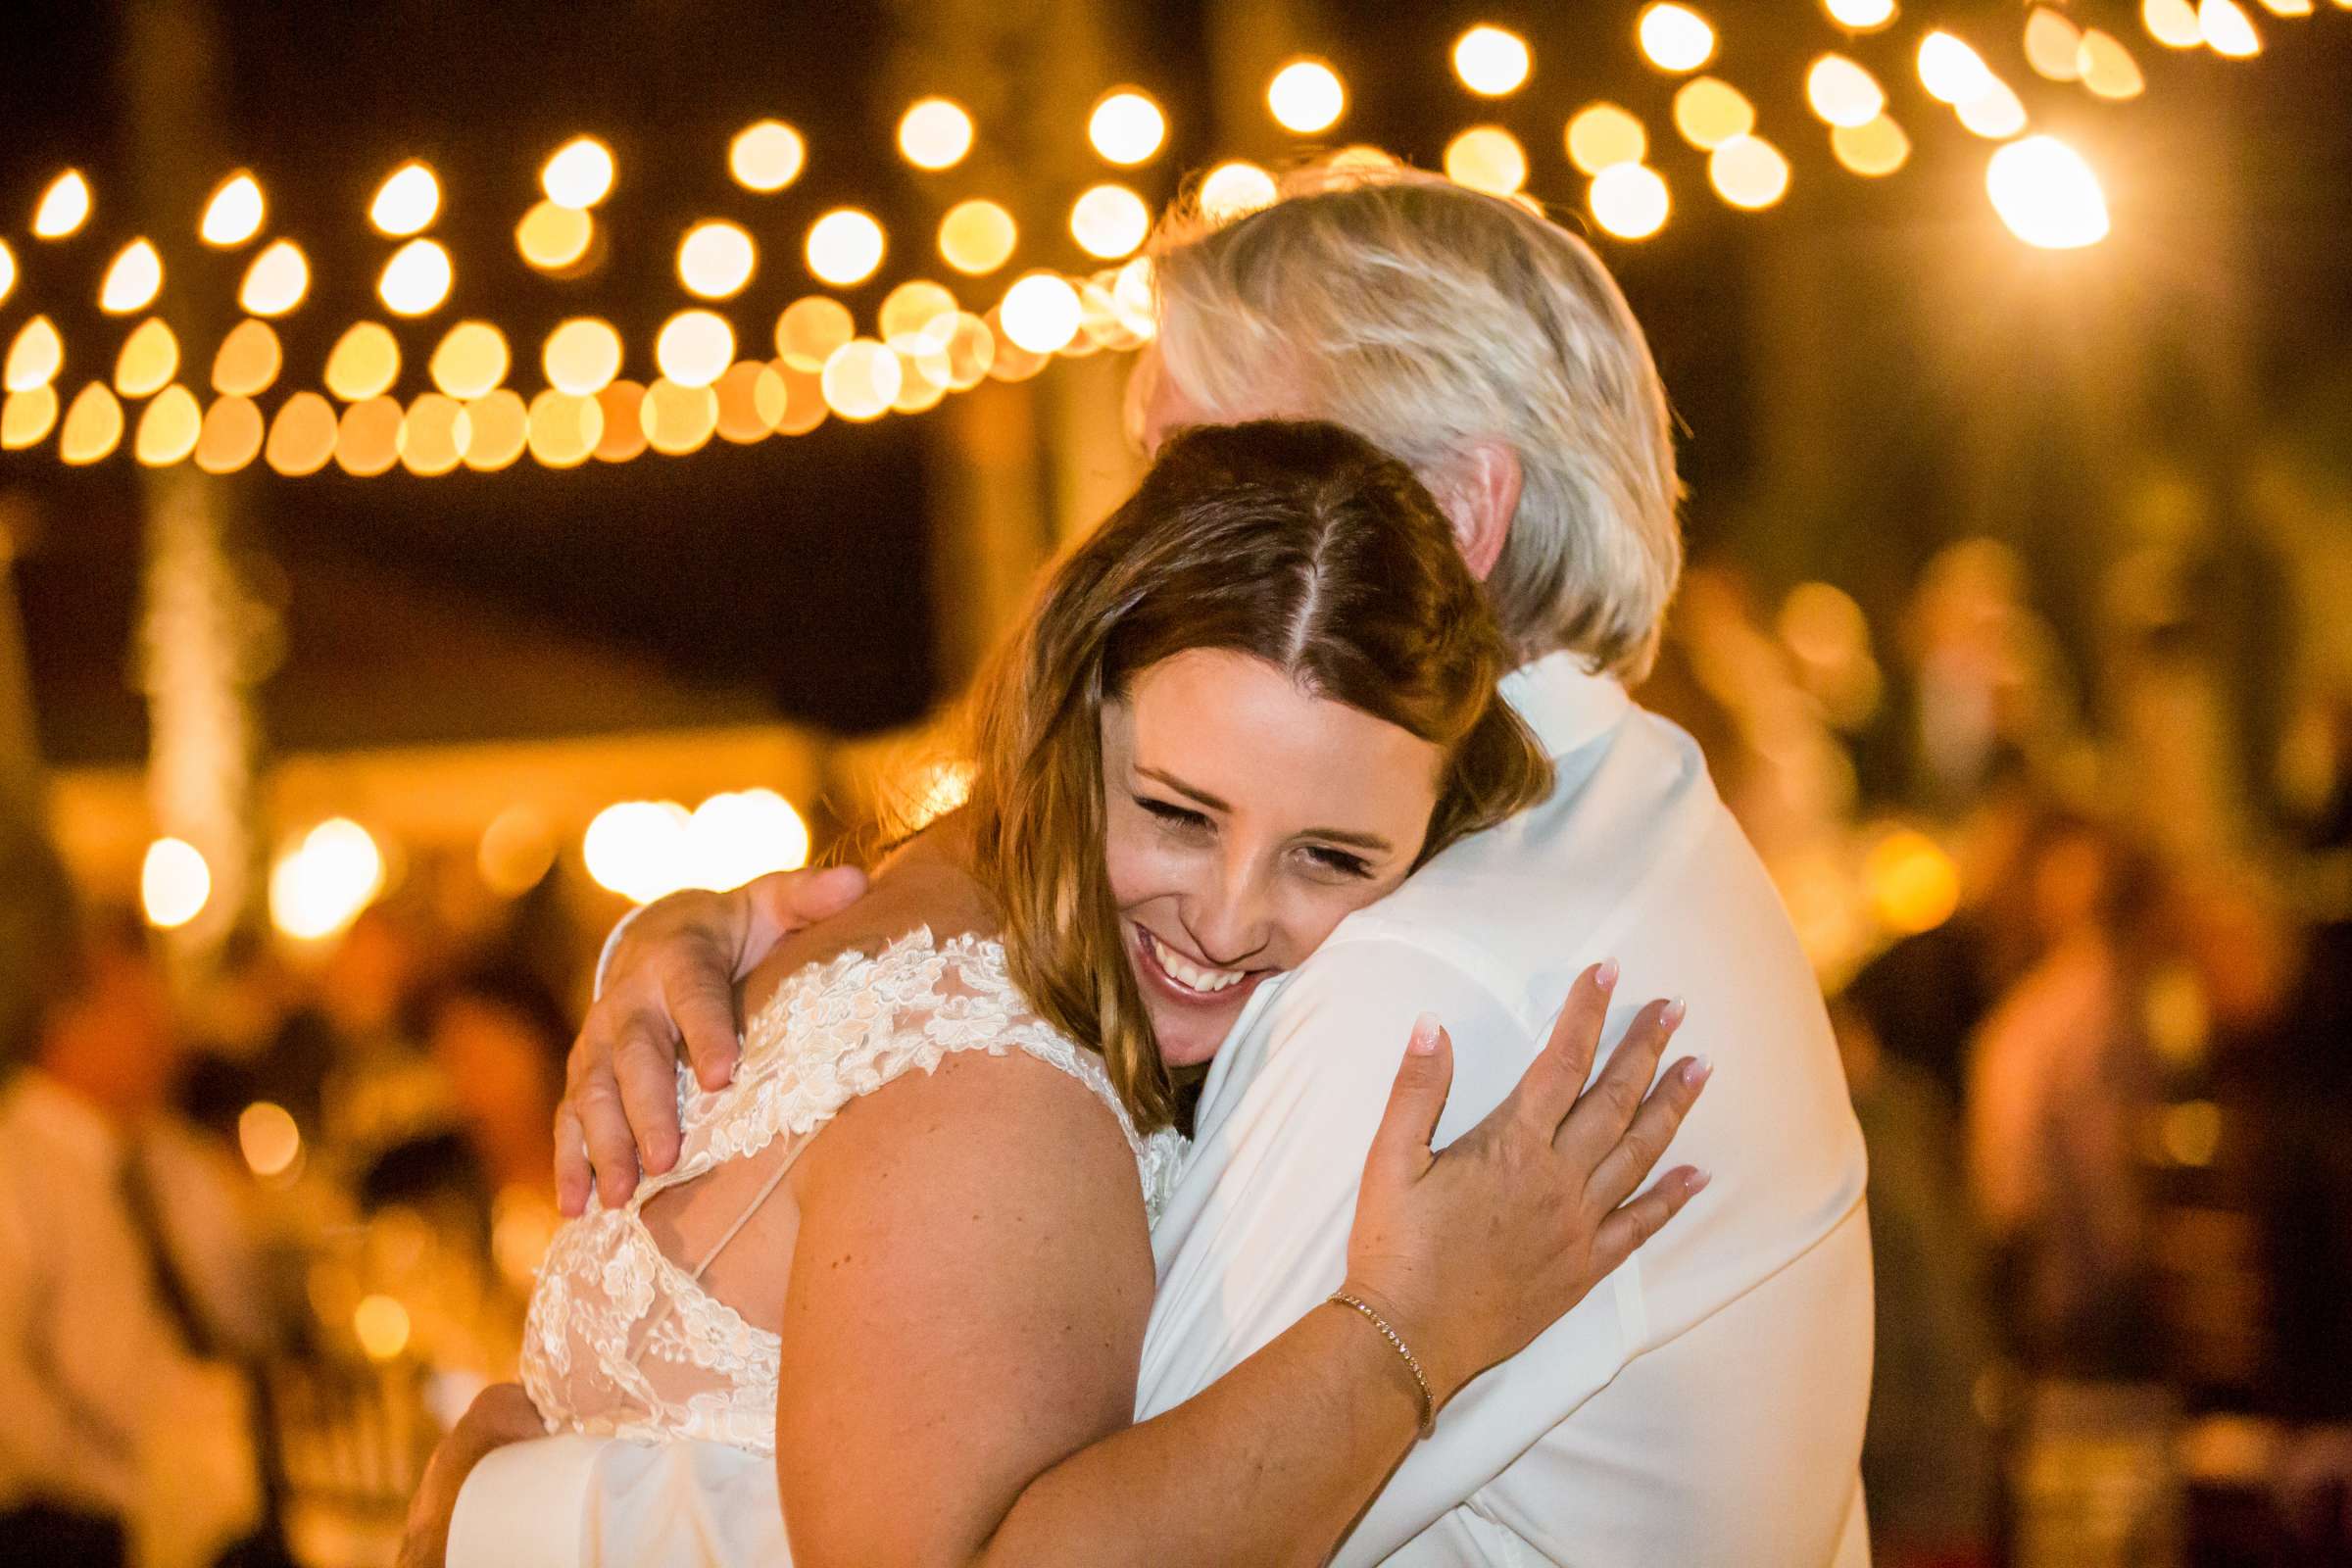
1371, 842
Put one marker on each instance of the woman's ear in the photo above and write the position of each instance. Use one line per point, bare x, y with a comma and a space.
1479, 501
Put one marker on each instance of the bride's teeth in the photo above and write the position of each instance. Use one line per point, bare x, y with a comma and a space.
1191, 975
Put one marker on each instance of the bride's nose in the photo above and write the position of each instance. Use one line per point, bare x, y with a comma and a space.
1231, 916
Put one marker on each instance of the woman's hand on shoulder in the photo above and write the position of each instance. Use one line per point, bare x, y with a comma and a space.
1473, 1251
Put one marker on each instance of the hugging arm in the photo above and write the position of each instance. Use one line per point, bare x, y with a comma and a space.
667, 976
957, 1374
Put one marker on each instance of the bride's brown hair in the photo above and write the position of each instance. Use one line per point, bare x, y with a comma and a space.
1300, 544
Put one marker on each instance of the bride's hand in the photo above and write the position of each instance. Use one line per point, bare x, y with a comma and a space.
1472, 1251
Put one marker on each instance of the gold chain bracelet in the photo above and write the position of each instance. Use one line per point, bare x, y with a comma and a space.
1412, 1362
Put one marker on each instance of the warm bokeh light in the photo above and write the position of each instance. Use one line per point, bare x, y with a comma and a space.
1748, 172
1914, 885
1305, 97
1708, 112
27, 418
417, 280
977, 236
363, 362
1490, 61
248, 359
277, 280
635, 848
2053, 45
93, 424
861, 379
381, 1326
1629, 200
168, 428
407, 201
1861, 16
804, 400
2226, 26
750, 399
1675, 37
8, 270
302, 437
812, 330
64, 207
471, 359
581, 356
1109, 220
564, 430
429, 434
579, 175
175, 883
935, 133
694, 346
2046, 194
2107, 67
970, 353
1487, 158
625, 438
494, 430
917, 317
844, 247
367, 437
2172, 22
552, 238
1950, 71
234, 213
1603, 135
1040, 313
132, 280
1126, 127
148, 360
34, 356
1234, 189
1996, 114
766, 156
319, 885
1877, 149
1844, 93
517, 849
267, 1135
230, 436
715, 260
677, 420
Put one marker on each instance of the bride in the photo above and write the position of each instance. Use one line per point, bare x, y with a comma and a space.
1249, 704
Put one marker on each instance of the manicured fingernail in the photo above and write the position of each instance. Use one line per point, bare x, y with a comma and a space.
1605, 976
1424, 1038
1672, 1018
1698, 1180
1697, 1070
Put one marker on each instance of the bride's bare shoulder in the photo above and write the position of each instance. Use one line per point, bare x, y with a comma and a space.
925, 884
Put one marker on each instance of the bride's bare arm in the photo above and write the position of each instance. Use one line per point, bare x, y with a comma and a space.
971, 1278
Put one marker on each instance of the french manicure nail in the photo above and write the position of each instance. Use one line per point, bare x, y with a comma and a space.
1698, 1180
1424, 1038
1672, 1018
1698, 1072
1605, 976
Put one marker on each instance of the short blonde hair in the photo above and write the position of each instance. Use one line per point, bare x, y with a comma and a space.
1429, 318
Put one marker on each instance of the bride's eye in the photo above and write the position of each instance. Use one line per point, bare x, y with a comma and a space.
1172, 814
1339, 861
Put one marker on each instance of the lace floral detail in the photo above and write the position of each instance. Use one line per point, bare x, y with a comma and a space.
624, 1340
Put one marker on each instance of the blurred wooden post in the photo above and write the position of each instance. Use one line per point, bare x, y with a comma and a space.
21, 775
1016, 470
201, 635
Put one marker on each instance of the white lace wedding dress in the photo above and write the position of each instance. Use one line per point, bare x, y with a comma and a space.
627, 1342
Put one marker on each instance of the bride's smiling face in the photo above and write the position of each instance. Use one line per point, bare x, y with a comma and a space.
1244, 819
